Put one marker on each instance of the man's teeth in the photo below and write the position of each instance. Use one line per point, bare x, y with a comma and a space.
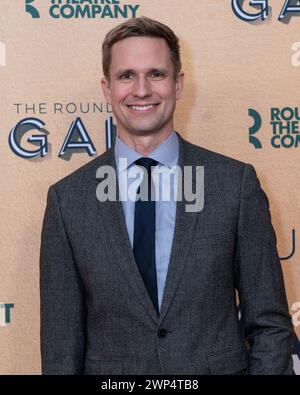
142, 108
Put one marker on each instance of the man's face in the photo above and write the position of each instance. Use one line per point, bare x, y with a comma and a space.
142, 89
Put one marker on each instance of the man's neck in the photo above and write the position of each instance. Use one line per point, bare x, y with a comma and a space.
144, 145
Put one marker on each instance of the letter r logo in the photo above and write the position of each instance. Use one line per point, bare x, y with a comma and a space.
31, 9
255, 128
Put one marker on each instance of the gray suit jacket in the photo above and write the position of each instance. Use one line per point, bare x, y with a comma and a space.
96, 315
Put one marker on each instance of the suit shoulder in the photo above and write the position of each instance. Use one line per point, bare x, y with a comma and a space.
208, 157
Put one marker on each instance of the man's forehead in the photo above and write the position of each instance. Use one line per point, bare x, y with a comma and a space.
144, 40
146, 52
139, 46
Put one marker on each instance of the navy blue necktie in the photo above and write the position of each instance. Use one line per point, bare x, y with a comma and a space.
144, 232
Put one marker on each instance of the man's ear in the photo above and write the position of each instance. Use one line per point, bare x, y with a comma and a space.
179, 85
106, 89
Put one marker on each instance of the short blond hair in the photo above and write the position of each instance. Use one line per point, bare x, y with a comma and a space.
141, 27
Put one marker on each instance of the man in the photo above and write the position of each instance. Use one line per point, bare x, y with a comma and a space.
132, 287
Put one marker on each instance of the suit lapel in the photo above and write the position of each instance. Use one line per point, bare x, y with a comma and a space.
114, 221
183, 236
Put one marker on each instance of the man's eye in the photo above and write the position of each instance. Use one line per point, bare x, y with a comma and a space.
126, 76
157, 75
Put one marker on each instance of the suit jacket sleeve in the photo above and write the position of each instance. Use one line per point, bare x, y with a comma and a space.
260, 284
62, 297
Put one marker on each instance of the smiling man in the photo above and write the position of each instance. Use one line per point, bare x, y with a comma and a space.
144, 286
143, 93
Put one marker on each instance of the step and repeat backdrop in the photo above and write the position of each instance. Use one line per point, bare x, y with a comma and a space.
242, 66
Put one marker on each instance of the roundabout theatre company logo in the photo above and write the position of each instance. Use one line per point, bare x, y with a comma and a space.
283, 129
75, 9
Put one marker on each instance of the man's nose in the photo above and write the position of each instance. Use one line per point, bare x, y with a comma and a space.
142, 87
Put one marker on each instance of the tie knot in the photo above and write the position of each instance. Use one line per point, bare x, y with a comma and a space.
146, 162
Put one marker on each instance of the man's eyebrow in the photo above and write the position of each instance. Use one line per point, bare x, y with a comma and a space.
124, 71
158, 70
131, 71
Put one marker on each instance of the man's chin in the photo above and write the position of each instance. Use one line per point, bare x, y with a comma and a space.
140, 130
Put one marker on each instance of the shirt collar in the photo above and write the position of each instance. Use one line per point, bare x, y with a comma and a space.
166, 154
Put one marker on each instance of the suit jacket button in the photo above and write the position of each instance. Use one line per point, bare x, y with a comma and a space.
162, 332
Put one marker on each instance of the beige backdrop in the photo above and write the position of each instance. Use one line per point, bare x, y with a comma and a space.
230, 66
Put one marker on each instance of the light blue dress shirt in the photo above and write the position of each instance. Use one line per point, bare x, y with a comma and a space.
166, 155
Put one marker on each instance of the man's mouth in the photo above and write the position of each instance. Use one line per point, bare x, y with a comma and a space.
146, 107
